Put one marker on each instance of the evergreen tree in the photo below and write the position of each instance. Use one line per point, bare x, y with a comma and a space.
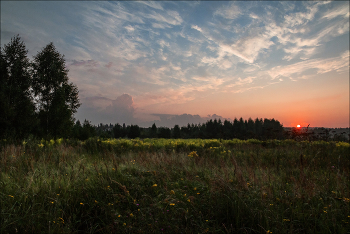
16, 103
164, 132
57, 99
117, 131
134, 131
177, 132
153, 131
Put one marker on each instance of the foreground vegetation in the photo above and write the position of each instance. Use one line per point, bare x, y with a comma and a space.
174, 186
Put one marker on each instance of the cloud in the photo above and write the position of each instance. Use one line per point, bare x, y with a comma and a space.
339, 64
167, 120
155, 5
342, 11
168, 17
229, 12
129, 28
99, 109
196, 28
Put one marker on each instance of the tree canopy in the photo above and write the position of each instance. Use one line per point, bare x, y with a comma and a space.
35, 97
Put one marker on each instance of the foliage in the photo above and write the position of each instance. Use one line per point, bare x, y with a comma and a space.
35, 97
57, 98
167, 185
16, 102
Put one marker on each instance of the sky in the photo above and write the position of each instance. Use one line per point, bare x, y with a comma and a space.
174, 62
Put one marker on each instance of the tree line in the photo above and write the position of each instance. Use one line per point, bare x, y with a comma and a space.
238, 128
36, 97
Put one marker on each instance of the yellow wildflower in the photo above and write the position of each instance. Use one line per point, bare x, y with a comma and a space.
155, 185
131, 215
172, 204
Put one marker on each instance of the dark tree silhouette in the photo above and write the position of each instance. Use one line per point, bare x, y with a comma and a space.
153, 133
164, 132
57, 99
16, 103
134, 131
176, 132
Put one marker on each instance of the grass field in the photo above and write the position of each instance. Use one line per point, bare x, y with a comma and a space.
174, 186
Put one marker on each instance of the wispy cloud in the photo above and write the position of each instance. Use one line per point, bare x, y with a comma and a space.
342, 11
228, 12
339, 64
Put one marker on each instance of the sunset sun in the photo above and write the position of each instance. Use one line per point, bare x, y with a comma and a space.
298, 126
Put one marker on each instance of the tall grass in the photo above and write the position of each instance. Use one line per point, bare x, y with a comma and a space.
174, 186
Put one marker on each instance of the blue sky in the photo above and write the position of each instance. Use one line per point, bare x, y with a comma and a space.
143, 62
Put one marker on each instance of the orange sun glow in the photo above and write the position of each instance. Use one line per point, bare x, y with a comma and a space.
298, 126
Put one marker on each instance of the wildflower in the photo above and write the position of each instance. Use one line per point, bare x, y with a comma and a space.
189, 200
198, 193
58, 194
81, 203
195, 188
96, 201
113, 169
268, 231
206, 220
172, 192
118, 216
271, 204
124, 224
11, 196
325, 211
52, 202
286, 220
193, 154
155, 185
172, 204
131, 215
185, 195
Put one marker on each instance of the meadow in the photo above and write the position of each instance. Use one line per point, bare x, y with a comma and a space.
174, 186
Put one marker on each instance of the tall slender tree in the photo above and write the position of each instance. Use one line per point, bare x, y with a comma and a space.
56, 99
16, 102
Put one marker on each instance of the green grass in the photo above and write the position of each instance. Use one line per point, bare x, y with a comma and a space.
175, 186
